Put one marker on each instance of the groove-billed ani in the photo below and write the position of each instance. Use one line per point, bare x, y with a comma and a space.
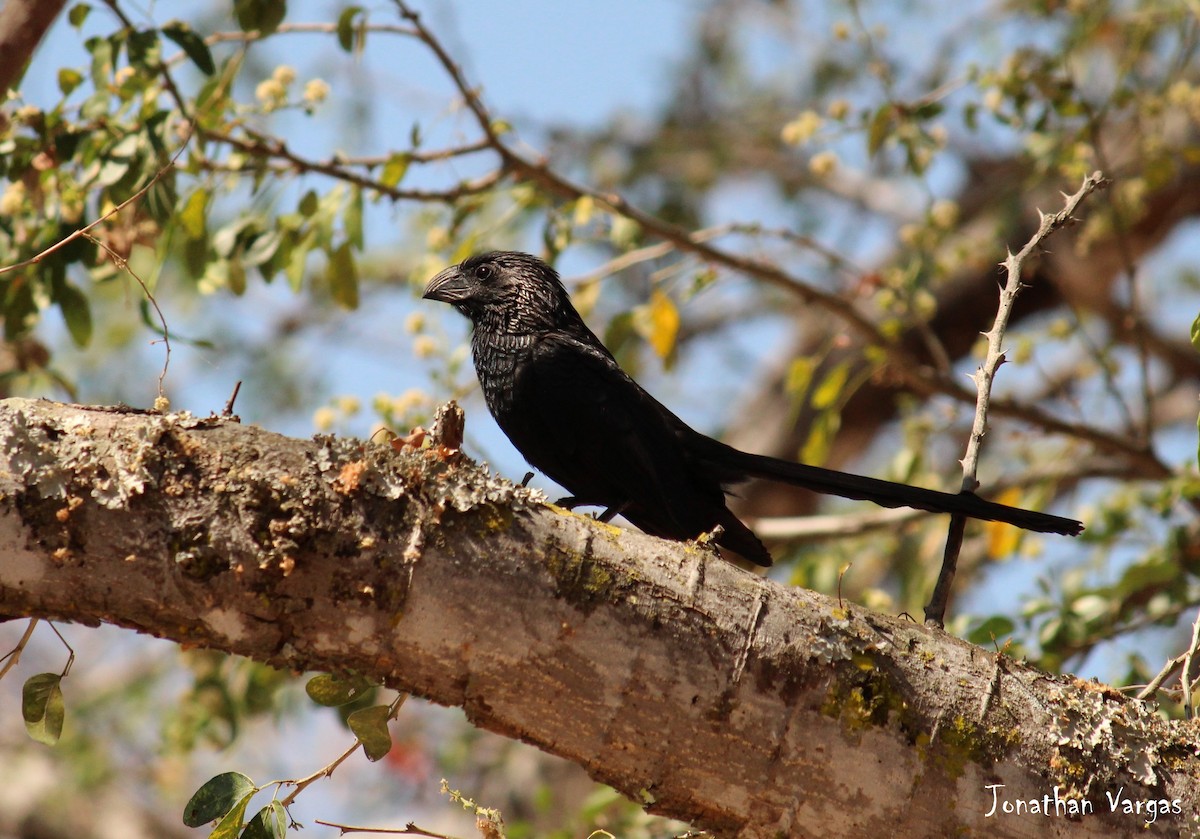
574, 414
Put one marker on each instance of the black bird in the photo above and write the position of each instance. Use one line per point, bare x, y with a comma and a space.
567, 406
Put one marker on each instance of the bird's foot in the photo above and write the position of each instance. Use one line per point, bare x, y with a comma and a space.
612, 512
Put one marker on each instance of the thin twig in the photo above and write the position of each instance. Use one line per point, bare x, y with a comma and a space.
409, 829
328, 770
270, 147
1185, 677
1164, 674
323, 772
298, 28
70, 650
796, 529
835, 525
13, 656
649, 252
122, 263
83, 231
993, 690
228, 412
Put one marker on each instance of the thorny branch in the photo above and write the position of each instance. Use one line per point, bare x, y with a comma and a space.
1013, 264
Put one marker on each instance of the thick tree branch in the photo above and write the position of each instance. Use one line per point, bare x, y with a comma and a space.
23, 23
701, 690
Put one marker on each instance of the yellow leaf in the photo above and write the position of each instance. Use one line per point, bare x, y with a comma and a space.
800, 375
830, 390
824, 428
1002, 538
625, 232
583, 210
658, 322
585, 295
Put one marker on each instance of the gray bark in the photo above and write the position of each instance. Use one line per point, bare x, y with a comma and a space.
701, 690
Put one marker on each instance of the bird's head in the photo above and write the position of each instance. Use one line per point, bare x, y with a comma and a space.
505, 292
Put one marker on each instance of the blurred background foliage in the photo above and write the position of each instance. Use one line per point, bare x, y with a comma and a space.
263, 188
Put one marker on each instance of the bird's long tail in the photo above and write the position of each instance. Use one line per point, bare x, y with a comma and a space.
889, 494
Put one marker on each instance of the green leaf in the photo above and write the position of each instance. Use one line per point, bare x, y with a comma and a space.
824, 428
297, 261
370, 726
78, 14
262, 15
343, 276
68, 80
971, 115
929, 110
394, 169
19, 309
995, 628
193, 217
877, 131
142, 48
353, 219
102, 63
111, 172
42, 707
95, 107
830, 390
192, 44
195, 257
262, 247
331, 691
236, 276
75, 311
799, 376
231, 824
309, 203
1196, 333
217, 797
128, 146
345, 27
268, 823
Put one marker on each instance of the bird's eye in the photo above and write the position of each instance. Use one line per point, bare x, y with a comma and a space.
483, 272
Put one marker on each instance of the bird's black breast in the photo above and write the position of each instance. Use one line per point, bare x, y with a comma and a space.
498, 358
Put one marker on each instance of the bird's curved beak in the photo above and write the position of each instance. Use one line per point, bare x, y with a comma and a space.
449, 286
